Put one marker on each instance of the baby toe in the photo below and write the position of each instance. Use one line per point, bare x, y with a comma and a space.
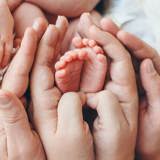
60, 65
98, 50
77, 42
85, 41
92, 43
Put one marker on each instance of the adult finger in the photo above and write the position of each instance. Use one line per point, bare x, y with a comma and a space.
18, 71
113, 48
109, 26
151, 83
62, 26
8, 51
106, 40
70, 113
42, 80
108, 108
40, 25
139, 48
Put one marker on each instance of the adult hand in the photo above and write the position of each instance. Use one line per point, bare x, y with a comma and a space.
149, 127
122, 89
17, 139
60, 126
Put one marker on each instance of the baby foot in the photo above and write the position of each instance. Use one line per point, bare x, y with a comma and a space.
95, 67
6, 33
68, 70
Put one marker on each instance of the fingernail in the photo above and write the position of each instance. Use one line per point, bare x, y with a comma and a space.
150, 67
36, 25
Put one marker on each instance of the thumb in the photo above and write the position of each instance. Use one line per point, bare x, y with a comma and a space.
15, 122
108, 109
151, 83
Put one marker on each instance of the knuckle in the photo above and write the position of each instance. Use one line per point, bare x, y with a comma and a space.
92, 29
72, 95
13, 114
13, 118
57, 94
107, 94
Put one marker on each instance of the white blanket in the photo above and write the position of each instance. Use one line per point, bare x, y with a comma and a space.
135, 17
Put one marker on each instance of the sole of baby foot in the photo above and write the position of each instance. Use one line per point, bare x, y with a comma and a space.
95, 68
94, 73
68, 70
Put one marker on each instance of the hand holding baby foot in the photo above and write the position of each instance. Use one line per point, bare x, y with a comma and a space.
6, 33
123, 86
112, 136
148, 133
61, 128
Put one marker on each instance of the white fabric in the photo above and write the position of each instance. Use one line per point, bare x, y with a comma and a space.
152, 10
130, 16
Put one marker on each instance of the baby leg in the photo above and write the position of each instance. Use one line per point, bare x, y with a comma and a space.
24, 17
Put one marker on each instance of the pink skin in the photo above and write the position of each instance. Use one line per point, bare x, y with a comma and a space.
51, 114
122, 84
83, 69
32, 12
148, 139
95, 68
68, 70
13, 4
6, 34
68, 8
